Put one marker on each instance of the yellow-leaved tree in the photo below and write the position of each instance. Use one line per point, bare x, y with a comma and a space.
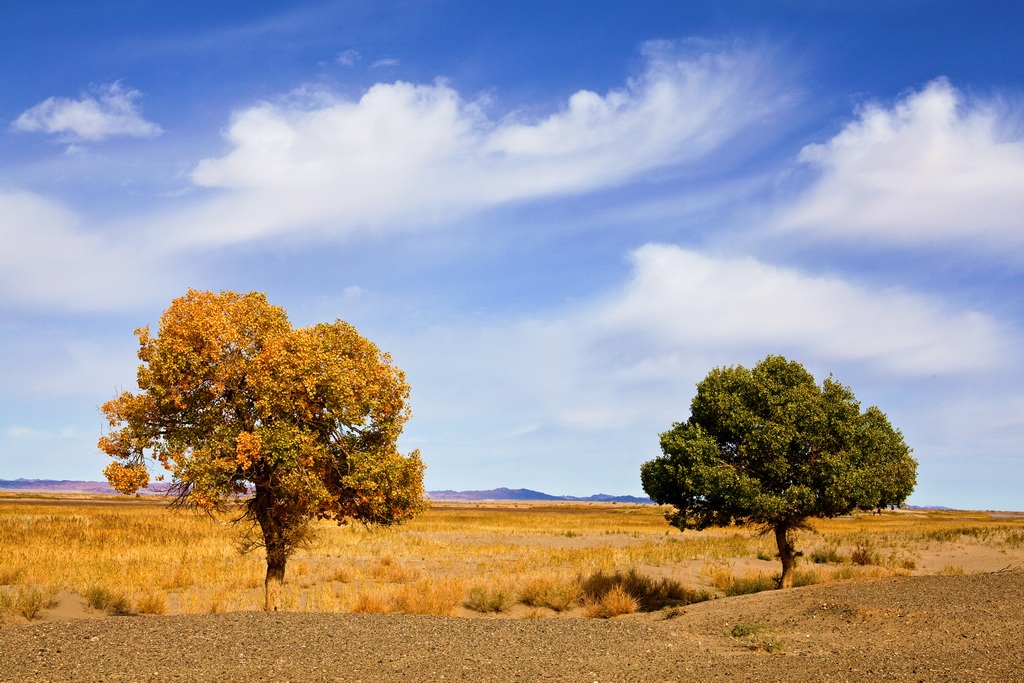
285, 425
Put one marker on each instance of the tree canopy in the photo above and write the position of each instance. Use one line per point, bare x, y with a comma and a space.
769, 446
298, 424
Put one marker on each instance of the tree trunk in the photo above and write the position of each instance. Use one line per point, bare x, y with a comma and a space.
275, 579
786, 553
275, 541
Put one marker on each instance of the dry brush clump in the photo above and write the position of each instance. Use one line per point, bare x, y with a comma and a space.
29, 601
604, 593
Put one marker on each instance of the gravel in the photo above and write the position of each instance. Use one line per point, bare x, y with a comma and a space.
930, 628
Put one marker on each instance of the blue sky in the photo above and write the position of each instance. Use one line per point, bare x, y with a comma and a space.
557, 216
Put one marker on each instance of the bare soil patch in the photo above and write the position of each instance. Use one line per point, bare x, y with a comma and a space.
915, 628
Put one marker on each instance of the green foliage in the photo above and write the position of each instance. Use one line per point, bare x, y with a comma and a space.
768, 446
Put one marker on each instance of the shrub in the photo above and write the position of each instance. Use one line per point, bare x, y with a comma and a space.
555, 594
372, 602
30, 601
806, 577
827, 555
153, 603
428, 597
650, 594
751, 583
863, 555
755, 637
483, 599
743, 630
614, 602
106, 600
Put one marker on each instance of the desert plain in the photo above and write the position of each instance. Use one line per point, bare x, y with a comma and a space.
127, 589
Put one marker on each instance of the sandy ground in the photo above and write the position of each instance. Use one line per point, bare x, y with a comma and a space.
922, 628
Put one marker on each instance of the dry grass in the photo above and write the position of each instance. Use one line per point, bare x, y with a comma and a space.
617, 601
529, 560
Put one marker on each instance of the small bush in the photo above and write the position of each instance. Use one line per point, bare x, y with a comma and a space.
616, 601
373, 602
106, 600
828, 555
863, 555
428, 597
153, 603
755, 638
650, 594
555, 594
751, 583
482, 599
952, 570
743, 630
30, 601
806, 577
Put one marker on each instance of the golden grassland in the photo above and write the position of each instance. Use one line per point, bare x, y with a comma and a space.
517, 559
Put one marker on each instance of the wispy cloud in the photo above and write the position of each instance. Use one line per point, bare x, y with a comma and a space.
111, 111
407, 154
387, 61
49, 260
936, 167
348, 57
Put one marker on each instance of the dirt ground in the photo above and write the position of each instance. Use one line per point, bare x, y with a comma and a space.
916, 628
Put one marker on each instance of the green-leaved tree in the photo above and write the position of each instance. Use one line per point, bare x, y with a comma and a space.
770, 447
295, 424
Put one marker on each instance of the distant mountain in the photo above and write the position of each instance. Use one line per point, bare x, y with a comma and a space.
67, 486
102, 487
528, 494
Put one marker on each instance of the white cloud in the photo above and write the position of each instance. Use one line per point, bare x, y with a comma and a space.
113, 111
348, 57
49, 260
388, 61
938, 166
680, 299
407, 154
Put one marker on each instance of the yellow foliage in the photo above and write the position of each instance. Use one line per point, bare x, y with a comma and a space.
247, 449
233, 399
126, 479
